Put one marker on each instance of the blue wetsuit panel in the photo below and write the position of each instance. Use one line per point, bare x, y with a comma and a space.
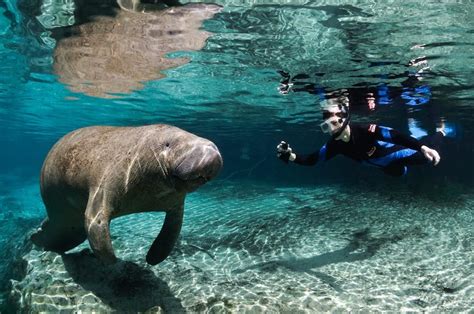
385, 144
385, 133
386, 160
322, 153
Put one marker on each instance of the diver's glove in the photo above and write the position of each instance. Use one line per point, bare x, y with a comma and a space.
430, 154
285, 153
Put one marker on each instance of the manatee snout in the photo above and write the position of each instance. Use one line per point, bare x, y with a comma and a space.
199, 165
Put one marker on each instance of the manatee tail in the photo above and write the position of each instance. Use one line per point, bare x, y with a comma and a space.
166, 239
58, 238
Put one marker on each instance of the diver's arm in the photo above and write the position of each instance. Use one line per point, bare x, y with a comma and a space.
306, 160
393, 136
285, 153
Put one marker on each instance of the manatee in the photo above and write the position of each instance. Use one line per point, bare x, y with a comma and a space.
146, 5
114, 54
98, 173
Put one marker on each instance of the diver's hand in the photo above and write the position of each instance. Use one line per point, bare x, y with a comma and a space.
284, 152
430, 154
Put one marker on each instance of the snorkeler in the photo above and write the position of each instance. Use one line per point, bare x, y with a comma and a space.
371, 144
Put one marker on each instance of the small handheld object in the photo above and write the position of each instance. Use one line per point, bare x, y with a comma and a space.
284, 152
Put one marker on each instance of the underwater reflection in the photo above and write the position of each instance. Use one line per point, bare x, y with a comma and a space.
116, 54
406, 88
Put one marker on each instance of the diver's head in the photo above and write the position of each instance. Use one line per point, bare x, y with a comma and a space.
333, 122
335, 115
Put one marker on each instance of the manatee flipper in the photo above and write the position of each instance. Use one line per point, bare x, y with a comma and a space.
97, 221
58, 237
166, 239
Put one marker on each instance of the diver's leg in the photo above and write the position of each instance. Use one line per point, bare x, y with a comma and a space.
395, 170
399, 167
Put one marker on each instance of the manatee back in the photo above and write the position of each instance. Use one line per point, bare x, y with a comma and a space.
69, 162
88, 157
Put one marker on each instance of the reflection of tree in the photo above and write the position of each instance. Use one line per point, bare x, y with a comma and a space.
117, 53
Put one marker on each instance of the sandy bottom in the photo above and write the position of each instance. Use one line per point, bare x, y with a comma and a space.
257, 248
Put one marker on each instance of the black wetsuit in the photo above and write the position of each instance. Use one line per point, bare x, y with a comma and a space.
375, 145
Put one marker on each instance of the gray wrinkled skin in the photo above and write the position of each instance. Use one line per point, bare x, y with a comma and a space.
95, 174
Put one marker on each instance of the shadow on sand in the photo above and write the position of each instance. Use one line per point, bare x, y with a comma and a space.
360, 247
124, 286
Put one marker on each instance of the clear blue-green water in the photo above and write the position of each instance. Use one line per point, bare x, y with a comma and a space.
263, 236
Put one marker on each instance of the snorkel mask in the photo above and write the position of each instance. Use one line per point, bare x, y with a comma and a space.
336, 115
332, 123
